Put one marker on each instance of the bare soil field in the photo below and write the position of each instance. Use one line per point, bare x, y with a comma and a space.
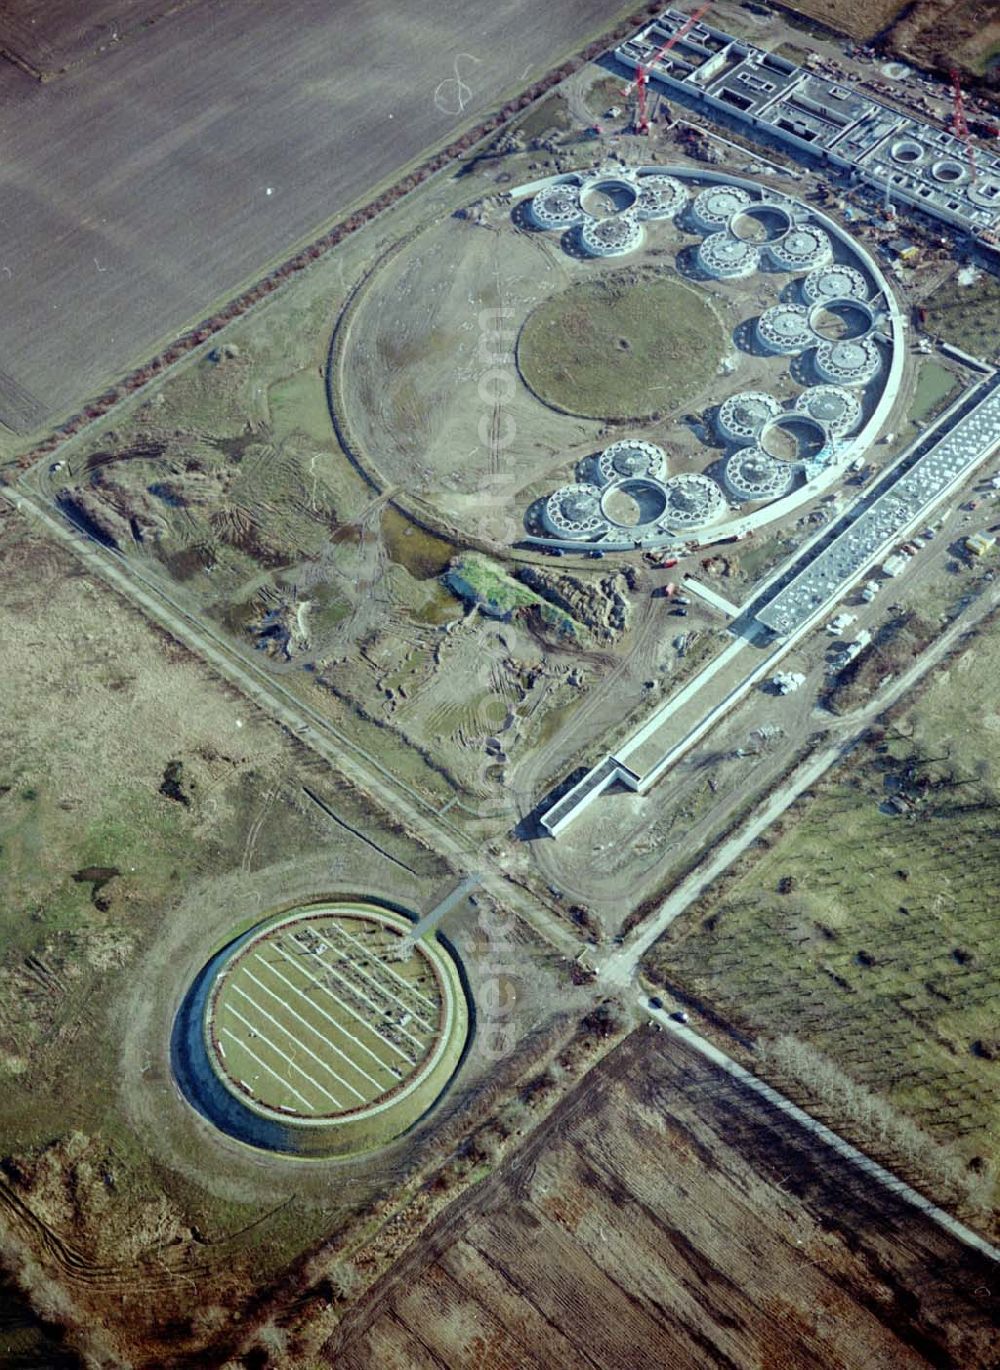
46, 38
943, 34
853, 17
661, 1217
144, 188
937, 34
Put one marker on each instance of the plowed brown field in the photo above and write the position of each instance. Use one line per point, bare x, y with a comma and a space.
146, 186
664, 1217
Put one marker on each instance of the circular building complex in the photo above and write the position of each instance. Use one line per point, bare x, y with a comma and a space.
574, 512
752, 474
803, 248
613, 236
557, 206
848, 361
838, 281
714, 207
837, 409
741, 417
324, 1030
692, 499
784, 329
660, 197
631, 457
727, 258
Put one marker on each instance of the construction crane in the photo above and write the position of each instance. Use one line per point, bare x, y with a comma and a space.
645, 68
958, 125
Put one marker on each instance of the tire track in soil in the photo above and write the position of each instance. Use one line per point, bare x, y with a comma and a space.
172, 1265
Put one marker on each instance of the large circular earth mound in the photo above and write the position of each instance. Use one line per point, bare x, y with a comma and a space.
326, 1029
626, 346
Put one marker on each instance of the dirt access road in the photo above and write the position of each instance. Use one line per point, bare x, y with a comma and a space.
151, 182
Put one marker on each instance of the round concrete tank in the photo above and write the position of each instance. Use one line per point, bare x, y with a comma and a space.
752, 474
741, 417
713, 208
631, 457
557, 206
760, 223
838, 281
611, 237
727, 258
836, 408
636, 503
660, 197
693, 499
574, 511
805, 247
841, 319
848, 362
784, 329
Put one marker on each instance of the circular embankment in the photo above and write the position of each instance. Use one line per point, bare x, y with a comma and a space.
324, 1030
621, 347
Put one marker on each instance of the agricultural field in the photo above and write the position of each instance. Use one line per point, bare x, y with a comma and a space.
853, 17
945, 33
664, 1216
862, 934
47, 38
270, 136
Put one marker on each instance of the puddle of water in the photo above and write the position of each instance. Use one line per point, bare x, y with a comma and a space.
94, 874
440, 606
422, 554
934, 383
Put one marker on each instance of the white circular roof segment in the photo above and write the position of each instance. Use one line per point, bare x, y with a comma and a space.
843, 345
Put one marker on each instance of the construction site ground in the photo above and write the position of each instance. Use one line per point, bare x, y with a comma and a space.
149, 811
623, 849
115, 895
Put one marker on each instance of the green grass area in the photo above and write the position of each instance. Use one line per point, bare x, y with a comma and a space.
870, 937
936, 385
480, 581
548, 115
631, 345
968, 316
882, 955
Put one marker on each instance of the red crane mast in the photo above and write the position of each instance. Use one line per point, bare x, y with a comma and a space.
645, 68
958, 125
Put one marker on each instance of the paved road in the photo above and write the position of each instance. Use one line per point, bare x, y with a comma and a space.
875, 1172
